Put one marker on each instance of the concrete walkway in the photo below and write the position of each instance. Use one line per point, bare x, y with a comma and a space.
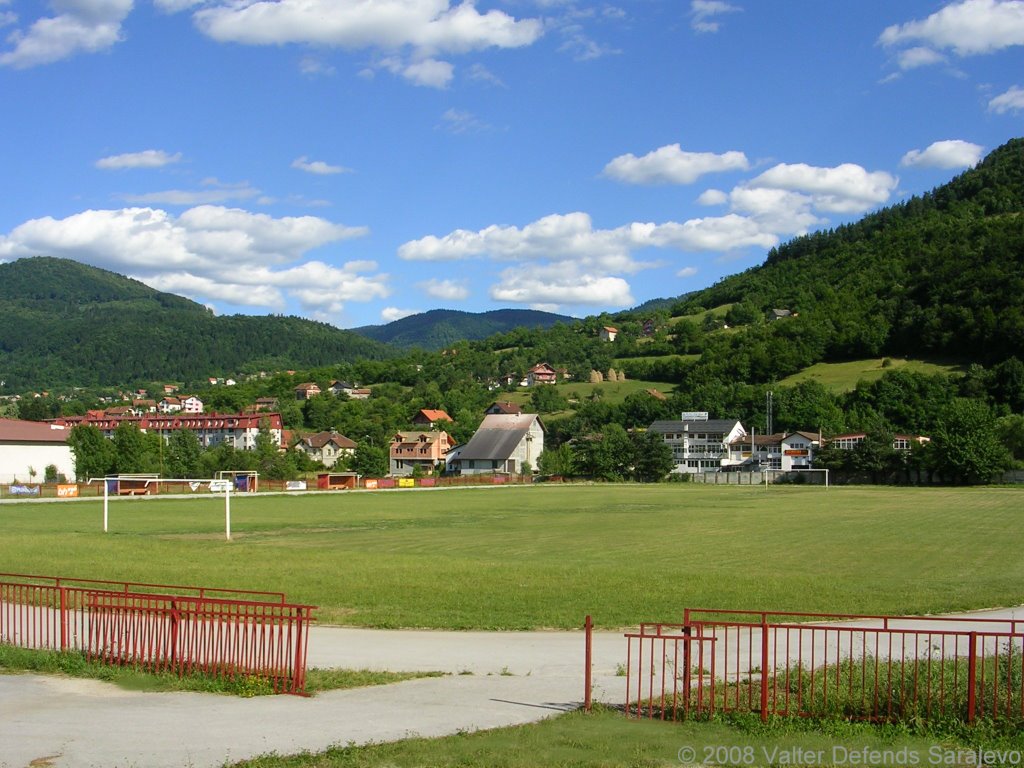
516, 678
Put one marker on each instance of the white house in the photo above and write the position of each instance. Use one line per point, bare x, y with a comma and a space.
608, 333
191, 405
699, 444
791, 451
28, 447
503, 443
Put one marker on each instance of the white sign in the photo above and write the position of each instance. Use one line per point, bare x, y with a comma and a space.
220, 486
295, 485
694, 416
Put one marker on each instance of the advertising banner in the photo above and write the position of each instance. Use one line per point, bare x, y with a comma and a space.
406, 482
67, 491
295, 485
23, 490
371, 483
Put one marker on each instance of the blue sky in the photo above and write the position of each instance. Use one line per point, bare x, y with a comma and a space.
354, 161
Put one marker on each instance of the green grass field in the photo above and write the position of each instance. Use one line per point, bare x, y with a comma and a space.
544, 556
843, 377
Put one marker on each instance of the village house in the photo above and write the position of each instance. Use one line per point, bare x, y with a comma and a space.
505, 407
191, 405
429, 418
787, 452
169, 404
607, 333
542, 373
306, 391
698, 444
423, 450
507, 443
28, 447
326, 447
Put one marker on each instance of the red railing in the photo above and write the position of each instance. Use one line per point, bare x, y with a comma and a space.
133, 624
876, 668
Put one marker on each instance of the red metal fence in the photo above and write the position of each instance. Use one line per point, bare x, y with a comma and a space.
223, 633
877, 668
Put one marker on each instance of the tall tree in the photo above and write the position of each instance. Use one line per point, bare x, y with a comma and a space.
94, 454
965, 446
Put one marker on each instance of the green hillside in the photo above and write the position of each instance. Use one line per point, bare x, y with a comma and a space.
62, 322
440, 328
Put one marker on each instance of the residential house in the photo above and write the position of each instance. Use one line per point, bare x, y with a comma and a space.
850, 441
169, 404
144, 405
778, 314
122, 410
505, 407
425, 450
265, 404
504, 443
28, 447
306, 391
352, 391
607, 333
788, 452
359, 393
326, 447
699, 444
239, 430
191, 405
170, 389
429, 418
542, 373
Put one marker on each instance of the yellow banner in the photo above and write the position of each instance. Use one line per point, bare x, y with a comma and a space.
67, 491
406, 482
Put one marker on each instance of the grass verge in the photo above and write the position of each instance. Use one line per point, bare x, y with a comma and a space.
74, 664
605, 738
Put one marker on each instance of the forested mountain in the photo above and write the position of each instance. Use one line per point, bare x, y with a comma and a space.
440, 328
62, 322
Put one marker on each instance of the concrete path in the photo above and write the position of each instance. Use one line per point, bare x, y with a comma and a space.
516, 678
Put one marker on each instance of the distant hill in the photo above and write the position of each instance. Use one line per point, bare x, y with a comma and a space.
940, 275
62, 322
440, 328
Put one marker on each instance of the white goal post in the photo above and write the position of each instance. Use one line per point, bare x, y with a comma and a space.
143, 482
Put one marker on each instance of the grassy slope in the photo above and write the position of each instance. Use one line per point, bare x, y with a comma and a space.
545, 556
612, 392
843, 377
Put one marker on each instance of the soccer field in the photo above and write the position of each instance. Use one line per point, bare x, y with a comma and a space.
544, 556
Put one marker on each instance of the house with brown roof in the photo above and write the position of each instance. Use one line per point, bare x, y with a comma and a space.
28, 447
607, 333
542, 373
326, 447
504, 406
425, 450
306, 391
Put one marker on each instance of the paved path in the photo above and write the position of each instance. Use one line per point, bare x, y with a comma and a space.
516, 678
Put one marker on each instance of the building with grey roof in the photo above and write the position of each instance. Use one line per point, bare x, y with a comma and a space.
699, 444
504, 443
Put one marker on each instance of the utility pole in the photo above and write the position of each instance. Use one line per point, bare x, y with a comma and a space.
768, 398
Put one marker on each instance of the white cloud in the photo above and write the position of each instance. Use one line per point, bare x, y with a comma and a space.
390, 314
672, 165
1010, 101
460, 121
431, 73
318, 167
214, 193
209, 253
687, 272
554, 287
712, 197
85, 26
311, 65
481, 74
968, 28
448, 290
846, 188
426, 26
953, 153
779, 211
581, 46
703, 13
148, 158
919, 56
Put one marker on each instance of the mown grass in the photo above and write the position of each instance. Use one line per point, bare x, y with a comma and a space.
545, 556
75, 664
844, 377
605, 738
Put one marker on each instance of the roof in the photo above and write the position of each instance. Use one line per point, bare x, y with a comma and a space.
499, 435
434, 415
775, 439
320, 439
307, 386
610, 329
711, 425
19, 431
504, 406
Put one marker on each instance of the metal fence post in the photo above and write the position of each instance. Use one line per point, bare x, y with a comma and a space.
588, 629
63, 619
972, 676
764, 672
